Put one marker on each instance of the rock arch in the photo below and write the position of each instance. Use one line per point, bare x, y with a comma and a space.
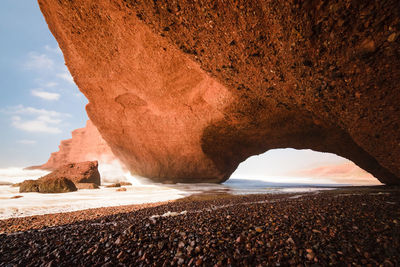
187, 91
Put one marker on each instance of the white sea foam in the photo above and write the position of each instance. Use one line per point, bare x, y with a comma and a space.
16, 175
140, 192
35, 203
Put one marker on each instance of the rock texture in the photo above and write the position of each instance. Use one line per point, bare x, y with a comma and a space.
86, 144
186, 91
82, 172
67, 178
48, 185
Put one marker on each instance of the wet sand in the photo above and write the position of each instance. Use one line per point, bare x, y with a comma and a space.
355, 226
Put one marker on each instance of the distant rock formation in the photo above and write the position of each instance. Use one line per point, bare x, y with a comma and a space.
339, 173
185, 91
86, 144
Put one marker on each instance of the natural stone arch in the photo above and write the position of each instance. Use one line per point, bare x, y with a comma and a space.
187, 91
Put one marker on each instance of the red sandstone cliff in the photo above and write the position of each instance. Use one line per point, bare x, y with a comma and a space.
86, 144
186, 91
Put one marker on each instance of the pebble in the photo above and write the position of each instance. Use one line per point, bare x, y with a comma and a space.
392, 37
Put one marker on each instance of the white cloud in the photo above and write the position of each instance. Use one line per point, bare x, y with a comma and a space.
50, 84
45, 95
34, 126
26, 142
56, 50
66, 76
39, 62
35, 120
20, 109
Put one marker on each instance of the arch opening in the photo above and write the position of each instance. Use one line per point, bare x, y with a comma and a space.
304, 166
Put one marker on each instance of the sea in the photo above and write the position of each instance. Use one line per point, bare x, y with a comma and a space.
141, 191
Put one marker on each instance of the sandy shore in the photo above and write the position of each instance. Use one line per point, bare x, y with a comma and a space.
357, 226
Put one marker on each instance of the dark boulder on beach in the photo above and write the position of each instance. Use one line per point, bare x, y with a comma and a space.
29, 186
82, 175
49, 185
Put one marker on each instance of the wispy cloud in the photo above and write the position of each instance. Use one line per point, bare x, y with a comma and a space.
56, 50
21, 109
49, 67
50, 84
66, 76
45, 95
39, 62
35, 120
26, 142
34, 126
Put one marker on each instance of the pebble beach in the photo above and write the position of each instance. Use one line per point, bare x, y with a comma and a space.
350, 226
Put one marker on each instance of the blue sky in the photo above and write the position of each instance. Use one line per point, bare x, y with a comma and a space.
39, 105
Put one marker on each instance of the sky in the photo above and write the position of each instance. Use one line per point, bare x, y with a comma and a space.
40, 105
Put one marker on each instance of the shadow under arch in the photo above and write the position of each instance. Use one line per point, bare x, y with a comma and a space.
231, 141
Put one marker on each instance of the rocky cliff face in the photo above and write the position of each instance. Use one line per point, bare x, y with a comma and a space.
86, 144
186, 91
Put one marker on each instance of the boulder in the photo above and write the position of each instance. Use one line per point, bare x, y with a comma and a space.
56, 185
82, 172
29, 186
48, 185
186, 91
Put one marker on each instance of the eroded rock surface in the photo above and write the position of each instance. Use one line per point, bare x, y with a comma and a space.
81, 172
67, 178
186, 91
48, 185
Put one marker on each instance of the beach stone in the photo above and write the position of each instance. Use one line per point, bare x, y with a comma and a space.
125, 183
114, 185
56, 185
29, 186
48, 185
186, 92
82, 172
122, 189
